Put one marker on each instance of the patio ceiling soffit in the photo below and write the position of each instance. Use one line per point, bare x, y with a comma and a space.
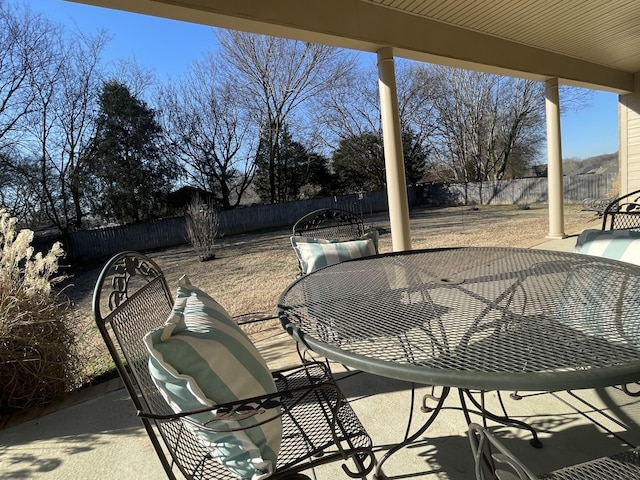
367, 26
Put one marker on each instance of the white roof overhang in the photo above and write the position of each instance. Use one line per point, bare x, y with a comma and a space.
587, 43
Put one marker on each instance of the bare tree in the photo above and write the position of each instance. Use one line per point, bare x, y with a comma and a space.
23, 34
354, 109
352, 115
46, 65
65, 76
275, 76
208, 131
48, 89
75, 120
486, 125
138, 79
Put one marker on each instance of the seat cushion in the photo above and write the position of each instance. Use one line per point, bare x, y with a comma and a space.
315, 253
202, 358
621, 245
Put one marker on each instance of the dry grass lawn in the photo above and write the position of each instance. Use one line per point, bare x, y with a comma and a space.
251, 270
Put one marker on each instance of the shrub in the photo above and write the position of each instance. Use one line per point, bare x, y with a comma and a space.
37, 360
202, 227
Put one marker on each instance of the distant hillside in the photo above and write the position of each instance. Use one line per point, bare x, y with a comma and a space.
605, 163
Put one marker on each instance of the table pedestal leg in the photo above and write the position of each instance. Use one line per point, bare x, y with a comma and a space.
379, 475
535, 441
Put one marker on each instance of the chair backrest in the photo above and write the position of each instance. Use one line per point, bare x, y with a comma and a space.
131, 297
623, 213
330, 224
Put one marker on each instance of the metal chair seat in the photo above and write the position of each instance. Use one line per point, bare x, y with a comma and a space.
494, 460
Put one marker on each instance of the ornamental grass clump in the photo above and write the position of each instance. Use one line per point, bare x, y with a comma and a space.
37, 360
202, 221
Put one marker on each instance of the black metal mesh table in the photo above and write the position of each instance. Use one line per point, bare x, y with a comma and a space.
474, 318
485, 318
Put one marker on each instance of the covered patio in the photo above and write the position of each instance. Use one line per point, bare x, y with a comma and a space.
588, 44
95, 433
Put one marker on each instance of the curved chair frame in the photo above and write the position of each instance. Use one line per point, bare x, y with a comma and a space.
623, 213
493, 460
330, 224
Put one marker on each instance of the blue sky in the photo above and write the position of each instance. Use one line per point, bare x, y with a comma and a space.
167, 47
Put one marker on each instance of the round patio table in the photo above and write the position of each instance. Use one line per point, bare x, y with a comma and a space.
474, 318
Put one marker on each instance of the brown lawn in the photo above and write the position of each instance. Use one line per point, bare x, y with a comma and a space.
251, 270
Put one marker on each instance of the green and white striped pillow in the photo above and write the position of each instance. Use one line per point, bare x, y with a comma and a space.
315, 253
615, 244
202, 358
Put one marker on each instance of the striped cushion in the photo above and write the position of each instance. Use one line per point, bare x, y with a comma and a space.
315, 253
615, 244
201, 357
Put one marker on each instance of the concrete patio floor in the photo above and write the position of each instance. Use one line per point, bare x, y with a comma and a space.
95, 434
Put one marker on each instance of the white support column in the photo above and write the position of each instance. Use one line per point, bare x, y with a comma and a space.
394, 161
554, 161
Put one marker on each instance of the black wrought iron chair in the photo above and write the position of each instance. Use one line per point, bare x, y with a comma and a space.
131, 298
494, 460
623, 213
331, 224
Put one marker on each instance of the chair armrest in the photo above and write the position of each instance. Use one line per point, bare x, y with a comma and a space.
254, 317
237, 410
627, 207
283, 401
323, 370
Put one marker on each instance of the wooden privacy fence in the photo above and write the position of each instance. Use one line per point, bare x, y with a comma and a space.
103, 242
520, 191
276, 215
